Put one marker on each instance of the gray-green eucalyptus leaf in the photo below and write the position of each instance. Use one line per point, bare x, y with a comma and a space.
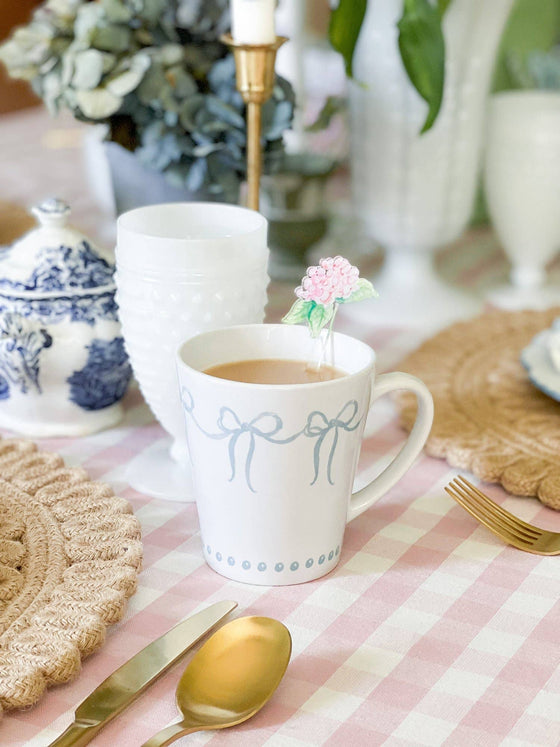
117, 11
126, 82
98, 104
224, 112
88, 69
111, 38
88, 19
169, 54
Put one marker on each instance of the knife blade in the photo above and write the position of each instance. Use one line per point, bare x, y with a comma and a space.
131, 679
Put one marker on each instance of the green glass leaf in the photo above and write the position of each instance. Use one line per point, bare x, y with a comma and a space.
344, 29
319, 317
299, 312
423, 53
363, 290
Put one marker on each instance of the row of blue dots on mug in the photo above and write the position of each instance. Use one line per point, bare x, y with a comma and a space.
279, 567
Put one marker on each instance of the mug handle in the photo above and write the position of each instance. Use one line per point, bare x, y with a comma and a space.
383, 384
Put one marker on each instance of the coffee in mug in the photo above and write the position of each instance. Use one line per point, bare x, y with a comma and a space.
275, 371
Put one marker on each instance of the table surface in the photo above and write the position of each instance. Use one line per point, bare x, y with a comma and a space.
430, 631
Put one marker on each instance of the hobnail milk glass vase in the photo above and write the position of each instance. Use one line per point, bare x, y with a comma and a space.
522, 187
415, 192
182, 268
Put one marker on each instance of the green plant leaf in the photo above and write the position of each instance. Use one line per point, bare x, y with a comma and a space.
299, 312
333, 105
344, 29
363, 290
443, 5
319, 317
423, 53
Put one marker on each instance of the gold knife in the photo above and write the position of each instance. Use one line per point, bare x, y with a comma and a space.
122, 687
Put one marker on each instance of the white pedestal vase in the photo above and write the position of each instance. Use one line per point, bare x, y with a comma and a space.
182, 268
415, 192
521, 169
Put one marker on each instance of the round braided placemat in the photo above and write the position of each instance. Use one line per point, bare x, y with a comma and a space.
70, 553
489, 418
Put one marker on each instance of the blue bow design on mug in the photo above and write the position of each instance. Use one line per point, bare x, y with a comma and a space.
318, 426
266, 425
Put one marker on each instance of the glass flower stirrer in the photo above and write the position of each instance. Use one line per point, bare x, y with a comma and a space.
334, 281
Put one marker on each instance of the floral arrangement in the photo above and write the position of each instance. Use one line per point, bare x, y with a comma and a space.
332, 282
154, 72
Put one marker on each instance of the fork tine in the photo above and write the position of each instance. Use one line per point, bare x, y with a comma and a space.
487, 519
487, 509
519, 523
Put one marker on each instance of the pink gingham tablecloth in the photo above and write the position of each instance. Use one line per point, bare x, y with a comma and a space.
429, 632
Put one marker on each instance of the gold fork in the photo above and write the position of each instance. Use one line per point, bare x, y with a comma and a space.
508, 527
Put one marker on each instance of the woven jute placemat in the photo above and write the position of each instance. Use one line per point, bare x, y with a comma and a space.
70, 553
489, 418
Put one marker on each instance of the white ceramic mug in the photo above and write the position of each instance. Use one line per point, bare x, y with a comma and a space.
274, 465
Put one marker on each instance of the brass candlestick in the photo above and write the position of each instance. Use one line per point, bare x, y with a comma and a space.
254, 67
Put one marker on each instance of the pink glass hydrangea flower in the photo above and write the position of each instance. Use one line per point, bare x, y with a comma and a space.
332, 279
327, 285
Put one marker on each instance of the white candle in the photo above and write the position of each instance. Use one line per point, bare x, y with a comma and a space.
252, 21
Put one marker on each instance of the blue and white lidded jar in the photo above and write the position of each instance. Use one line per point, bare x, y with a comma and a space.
63, 366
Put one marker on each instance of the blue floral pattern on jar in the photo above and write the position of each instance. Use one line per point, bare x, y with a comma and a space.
87, 308
104, 378
4, 388
62, 268
21, 344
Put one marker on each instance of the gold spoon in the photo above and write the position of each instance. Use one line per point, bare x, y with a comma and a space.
230, 678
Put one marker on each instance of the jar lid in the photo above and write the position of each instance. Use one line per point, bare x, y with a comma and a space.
53, 258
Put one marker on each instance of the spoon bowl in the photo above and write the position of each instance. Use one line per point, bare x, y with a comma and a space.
230, 678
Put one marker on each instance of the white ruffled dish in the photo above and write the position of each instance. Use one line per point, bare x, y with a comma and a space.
541, 358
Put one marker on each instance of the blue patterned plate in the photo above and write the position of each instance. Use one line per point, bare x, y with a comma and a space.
537, 359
